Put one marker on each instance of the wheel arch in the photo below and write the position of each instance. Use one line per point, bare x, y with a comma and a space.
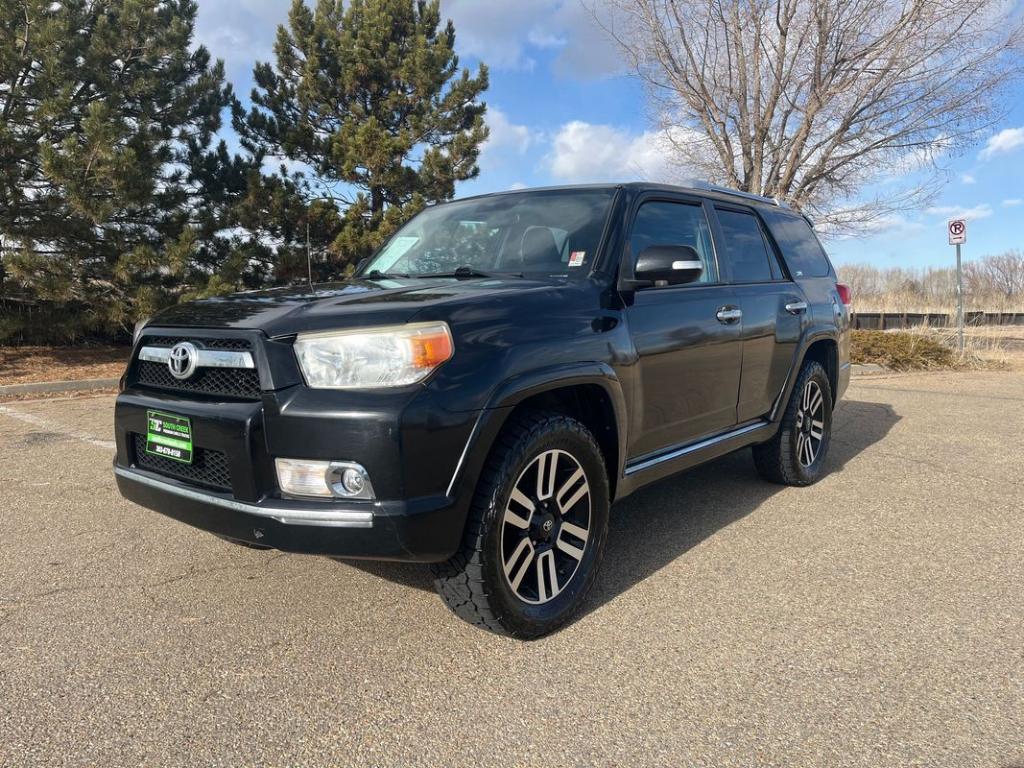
821, 346
589, 392
826, 352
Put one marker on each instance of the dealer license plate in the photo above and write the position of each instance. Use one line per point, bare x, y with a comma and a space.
169, 436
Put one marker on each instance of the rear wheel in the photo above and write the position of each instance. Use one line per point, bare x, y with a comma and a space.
536, 530
797, 453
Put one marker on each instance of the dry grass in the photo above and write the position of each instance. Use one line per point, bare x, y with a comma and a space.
899, 302
24, 365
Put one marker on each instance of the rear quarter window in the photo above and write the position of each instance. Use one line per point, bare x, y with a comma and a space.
800, 247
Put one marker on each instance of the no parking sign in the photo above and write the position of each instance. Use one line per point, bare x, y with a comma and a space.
957, 231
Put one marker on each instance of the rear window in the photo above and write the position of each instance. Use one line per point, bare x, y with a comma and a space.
800, 247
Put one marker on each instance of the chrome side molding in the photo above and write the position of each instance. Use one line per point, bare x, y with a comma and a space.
677, 453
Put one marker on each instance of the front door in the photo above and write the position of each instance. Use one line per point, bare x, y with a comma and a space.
687, 337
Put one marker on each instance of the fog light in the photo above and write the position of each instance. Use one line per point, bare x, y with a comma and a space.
352, 481
323, 479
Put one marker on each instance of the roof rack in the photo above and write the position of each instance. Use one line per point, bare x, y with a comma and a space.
709, 187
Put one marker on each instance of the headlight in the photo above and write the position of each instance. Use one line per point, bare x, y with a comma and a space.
372, 358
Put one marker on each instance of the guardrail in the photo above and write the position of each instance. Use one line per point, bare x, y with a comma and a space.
884, 321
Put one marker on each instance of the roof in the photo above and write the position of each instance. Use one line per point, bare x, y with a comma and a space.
693, 185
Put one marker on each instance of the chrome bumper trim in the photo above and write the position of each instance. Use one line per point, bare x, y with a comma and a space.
326, 518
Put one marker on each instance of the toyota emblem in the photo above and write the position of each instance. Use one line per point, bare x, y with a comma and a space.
182, 360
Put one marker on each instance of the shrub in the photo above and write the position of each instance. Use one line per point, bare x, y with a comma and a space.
901, 351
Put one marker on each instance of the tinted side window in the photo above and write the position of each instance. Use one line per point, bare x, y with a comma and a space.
745, 248
799, 244
663, 223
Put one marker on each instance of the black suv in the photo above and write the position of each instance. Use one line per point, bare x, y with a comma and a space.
486, 385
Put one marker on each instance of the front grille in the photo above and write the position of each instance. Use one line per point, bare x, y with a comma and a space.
211, 343
208, 467
243, 383
239, 383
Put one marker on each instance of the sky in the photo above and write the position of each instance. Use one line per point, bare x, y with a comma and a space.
562, 109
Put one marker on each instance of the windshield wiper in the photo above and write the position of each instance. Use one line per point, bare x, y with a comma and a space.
467, 271
376, 274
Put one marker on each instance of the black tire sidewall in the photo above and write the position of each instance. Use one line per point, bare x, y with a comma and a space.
523, 619
816, 470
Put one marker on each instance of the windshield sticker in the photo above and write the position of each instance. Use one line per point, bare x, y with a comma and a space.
396, 249
576, 258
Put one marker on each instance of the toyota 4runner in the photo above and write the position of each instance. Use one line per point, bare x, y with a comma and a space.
489, 382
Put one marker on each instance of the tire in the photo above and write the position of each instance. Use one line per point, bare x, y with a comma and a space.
503, 577
784, 458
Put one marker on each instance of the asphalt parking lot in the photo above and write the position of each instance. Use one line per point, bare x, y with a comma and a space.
876, 619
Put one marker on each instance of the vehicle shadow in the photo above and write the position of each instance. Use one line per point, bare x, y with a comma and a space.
659, 524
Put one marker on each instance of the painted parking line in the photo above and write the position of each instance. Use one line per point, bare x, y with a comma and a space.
54, 426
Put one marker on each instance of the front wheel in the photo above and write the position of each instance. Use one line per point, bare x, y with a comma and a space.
536, 531
797, 453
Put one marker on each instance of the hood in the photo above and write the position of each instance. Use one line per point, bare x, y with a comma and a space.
350, 303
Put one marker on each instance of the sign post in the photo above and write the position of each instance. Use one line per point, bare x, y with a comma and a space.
957, 229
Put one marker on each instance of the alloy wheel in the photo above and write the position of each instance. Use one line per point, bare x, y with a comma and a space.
810, 424
546, 526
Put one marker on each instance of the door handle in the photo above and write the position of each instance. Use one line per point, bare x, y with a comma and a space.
729, 315
796, 307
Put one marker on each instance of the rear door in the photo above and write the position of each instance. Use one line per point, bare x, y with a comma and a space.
774, 307
809, 265
687, 337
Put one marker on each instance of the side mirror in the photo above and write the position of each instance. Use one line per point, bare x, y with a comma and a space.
668, 265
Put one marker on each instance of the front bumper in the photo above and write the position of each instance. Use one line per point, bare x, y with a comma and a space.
426, 530
417, 455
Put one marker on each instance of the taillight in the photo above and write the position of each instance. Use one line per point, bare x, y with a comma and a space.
844, 293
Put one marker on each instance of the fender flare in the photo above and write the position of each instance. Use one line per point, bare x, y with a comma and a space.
513, 391
811, 335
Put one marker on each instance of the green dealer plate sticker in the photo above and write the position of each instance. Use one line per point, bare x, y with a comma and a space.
169, 436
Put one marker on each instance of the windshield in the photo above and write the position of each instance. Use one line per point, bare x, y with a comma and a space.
553, 233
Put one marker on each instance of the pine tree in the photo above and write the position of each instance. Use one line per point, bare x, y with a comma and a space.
369, 96
108, 183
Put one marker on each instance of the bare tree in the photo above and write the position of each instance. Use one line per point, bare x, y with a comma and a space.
1001, 275
993, 283
810, 101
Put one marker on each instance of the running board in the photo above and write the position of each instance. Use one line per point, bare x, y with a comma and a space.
641, 464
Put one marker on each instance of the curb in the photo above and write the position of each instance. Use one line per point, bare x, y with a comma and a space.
48, 387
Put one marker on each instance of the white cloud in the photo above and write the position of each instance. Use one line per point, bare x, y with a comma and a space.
982, 211
506, 135
968, 179
517, 185
545, 38
240, 32
507, 142
505, 34
582, 152
1011, 202
1006, 140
